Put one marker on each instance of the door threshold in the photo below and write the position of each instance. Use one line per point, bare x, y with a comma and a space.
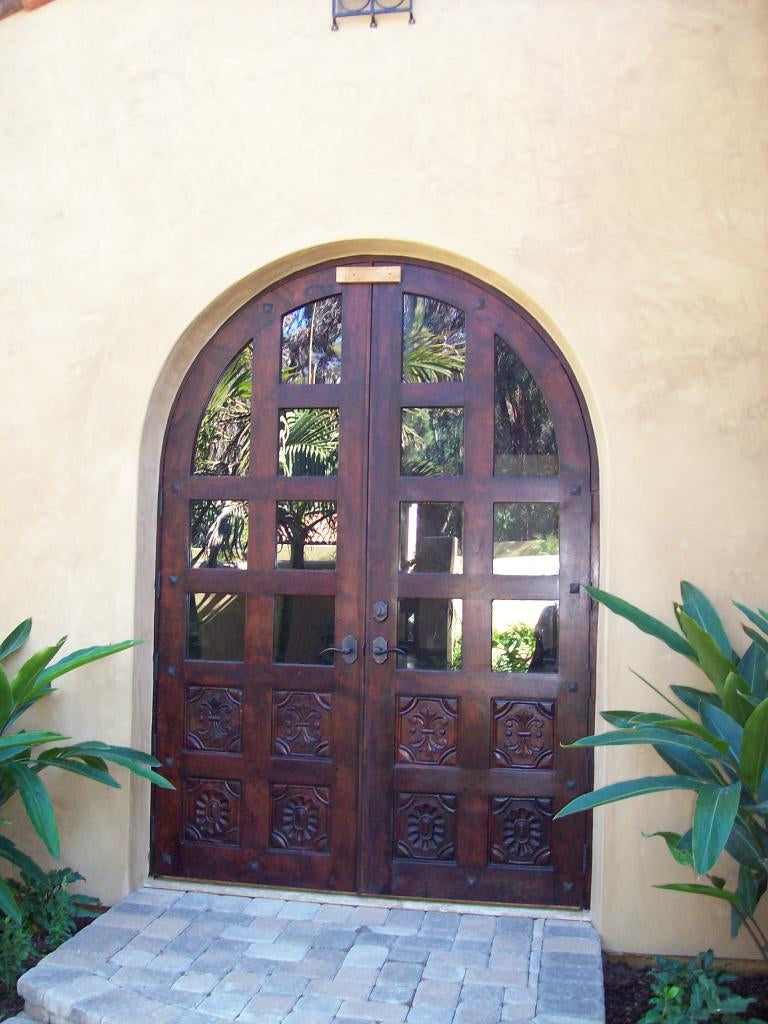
357, 899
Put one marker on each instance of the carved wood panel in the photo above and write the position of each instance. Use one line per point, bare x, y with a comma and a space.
427, 730
301, 724
523, 734
425, 826
520, 830
300, 818
212, 811
213, 718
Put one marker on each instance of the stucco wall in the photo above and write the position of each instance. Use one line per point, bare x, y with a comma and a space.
605, 162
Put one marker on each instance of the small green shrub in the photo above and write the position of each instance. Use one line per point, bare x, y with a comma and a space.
49, 910
16, 948
688, 993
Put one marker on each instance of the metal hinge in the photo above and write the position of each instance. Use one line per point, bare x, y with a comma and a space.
156, 665
160, 497
585, 857
157, 584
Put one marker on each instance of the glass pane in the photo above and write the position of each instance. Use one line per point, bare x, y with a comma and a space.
430, 536
304, 627
310, 348
218, 534
429, 631
524, 636
309, 442
306, 535
526, 538
432, 442
216, 627
524, 442
434, 339
223, 440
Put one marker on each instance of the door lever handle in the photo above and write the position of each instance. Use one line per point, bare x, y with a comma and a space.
380, 650
348, 649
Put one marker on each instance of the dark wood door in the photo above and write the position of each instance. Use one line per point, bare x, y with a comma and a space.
405, 467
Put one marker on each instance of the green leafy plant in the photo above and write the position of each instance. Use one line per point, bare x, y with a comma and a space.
720, 751
16, 949
49, 909
685, 993
25, 754
516, 647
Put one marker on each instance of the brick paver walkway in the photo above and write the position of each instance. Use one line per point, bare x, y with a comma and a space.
171, 957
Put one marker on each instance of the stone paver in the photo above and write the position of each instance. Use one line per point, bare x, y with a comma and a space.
174, 957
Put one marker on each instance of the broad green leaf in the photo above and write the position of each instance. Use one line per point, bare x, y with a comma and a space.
685, 762
754, 746
6, 698
126, 757
38, 805
625, 719
28, 674
645, 622
11, 746
693, 698
628, 789
749, 895
713, 817
754, 668
98, 748
757, 618
84, 657
721, 724
702, 890
760, 640
712, 661
684, 725
653, 737
743, 847
77, 768
10, 852
8, 903
15, 639
672, 839
700, 609
734, 704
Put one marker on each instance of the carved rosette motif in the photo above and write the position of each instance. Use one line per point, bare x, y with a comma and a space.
212, 811
300, 818
301, 724
425, 826
213, 719
520, 830
523, 734
427, 730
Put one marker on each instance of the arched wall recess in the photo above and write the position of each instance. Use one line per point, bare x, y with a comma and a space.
422, 447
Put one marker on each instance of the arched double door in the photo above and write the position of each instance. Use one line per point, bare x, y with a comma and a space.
371, 639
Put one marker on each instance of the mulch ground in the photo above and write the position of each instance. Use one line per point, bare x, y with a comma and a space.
627, 991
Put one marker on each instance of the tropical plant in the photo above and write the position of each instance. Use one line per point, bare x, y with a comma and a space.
693, 992
515, 647
50, 911
25, 754
720, 752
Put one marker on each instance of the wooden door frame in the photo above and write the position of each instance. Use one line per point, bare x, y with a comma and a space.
191, 343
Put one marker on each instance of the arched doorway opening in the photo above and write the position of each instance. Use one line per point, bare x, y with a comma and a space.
378, 492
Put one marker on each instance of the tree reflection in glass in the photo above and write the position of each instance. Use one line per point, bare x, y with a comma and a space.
524, 433
218, 534
434, 340
310, 349
526, 538
308, 442
432, 442
306, 535
223, 442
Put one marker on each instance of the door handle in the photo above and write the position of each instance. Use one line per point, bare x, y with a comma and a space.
348, 649
380, 650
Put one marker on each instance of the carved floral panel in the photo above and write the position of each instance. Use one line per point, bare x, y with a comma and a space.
301, 724
425, 826
520, 830
212, 811
213, 718
523, 734
427, 730
300, 818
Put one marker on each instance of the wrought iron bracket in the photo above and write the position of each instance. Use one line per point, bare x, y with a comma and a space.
358, 8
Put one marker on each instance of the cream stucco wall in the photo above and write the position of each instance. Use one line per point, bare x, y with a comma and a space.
603, 163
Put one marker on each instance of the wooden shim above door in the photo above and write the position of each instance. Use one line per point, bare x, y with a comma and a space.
367, 275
